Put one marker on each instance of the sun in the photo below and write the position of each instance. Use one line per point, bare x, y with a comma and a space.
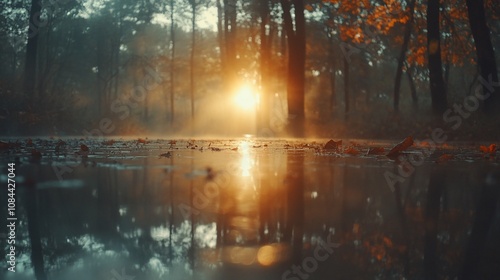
246, 98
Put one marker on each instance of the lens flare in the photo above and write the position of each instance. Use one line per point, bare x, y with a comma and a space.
245, 98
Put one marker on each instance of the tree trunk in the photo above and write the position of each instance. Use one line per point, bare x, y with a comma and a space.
346, 85
438, 94
31, 50
172, 60
295, 32
192, 61
485, 54
265, 57
402, 56
331, 58
413, 89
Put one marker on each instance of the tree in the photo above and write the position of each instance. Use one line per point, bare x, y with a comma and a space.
172, 61
438, 94
265, 57
402, 56
295, 32
485, 53
32, 49
194, 8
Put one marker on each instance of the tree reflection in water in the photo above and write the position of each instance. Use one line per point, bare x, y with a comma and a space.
268, 214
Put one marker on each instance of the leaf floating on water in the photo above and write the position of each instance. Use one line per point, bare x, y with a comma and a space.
36, 155
109, 142
167, 155
9, 145
445, 158
400, 147
351, 151
491, 149
376, 151
332, 145
84, 148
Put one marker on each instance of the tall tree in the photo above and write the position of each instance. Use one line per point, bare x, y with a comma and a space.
296, 39
194, 8
265, 57
438, 94
31, 49
172, 61
402, 56
485, 53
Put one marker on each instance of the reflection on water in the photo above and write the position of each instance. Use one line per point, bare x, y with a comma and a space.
252, 210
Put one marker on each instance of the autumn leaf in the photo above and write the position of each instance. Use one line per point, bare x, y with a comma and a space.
351, 151
141, 141
167, 155
84, 148
400, 147
376, 151
6, 146
332, 145
36, 155
444, 158
491, 149
29, 142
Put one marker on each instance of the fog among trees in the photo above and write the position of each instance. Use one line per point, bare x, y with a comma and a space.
366, 69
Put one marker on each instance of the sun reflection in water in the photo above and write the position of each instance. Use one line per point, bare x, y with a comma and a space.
247, 162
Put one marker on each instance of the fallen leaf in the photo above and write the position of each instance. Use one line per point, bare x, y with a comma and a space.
332, 145
29, 142
351, 151
141, 141
444, 158
6, 146
376, 151
36, 155
167, 155
491, 149
84, 148
109, 142
400, 147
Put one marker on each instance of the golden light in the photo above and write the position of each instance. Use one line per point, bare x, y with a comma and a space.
246, 98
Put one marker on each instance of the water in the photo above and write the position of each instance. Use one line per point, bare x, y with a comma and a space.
250, 209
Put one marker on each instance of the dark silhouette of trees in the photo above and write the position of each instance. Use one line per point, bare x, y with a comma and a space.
438, 94
402, 56
295, 33
32, 49
485, 54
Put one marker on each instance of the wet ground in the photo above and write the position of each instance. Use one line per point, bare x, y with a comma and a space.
250, 209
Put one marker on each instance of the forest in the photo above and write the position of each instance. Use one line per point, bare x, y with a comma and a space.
365, 69
249, 139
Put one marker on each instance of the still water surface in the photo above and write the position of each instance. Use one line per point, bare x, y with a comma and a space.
249, 209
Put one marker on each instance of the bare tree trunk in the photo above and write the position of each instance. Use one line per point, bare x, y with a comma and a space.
172, 62
438, 94
413, 89
192, 59
402, 56
265, 57
295, 32
485, 54
31, 50
346, 85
